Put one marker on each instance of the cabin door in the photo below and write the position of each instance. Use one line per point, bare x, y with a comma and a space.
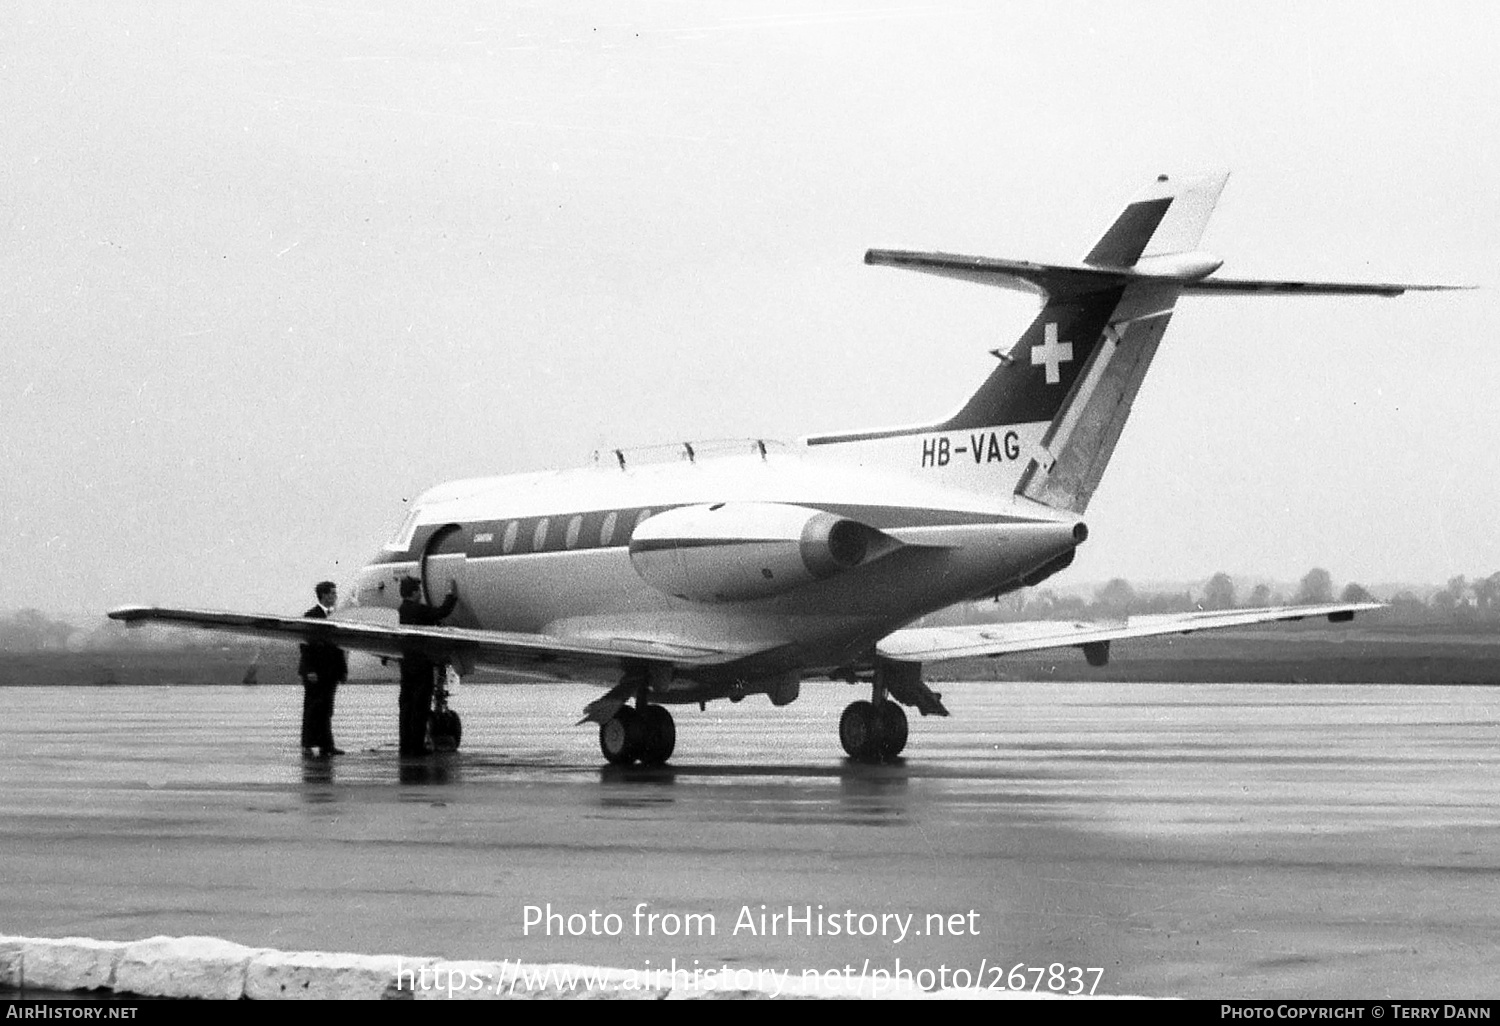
443, 562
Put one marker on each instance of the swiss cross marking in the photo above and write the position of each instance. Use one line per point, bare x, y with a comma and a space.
1052, 353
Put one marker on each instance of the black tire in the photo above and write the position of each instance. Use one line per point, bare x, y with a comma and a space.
447, 731
859, 731
893, 729
621, 737
660, 735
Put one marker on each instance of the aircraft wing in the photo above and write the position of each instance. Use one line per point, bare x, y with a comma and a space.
496, 649
930, 644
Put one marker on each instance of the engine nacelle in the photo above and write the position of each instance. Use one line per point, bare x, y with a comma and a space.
736, 551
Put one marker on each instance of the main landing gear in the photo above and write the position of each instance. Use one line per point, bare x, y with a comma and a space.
876, 730
647, 733
873, 731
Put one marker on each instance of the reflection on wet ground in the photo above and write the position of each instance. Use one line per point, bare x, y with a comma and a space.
1189, 839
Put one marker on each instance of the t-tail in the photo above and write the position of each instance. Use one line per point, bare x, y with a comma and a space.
1045, 422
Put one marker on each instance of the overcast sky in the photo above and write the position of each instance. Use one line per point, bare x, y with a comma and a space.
270, 271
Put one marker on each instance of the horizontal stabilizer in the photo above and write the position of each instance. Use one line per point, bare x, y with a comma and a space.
1254, 286
1058, 280
1061, 280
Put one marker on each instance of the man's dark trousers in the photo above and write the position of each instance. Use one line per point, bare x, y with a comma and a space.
415, 704
317, 712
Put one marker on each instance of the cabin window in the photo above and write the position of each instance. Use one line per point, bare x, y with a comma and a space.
539, 536
574, 526
508, 543
607, 529
640, 519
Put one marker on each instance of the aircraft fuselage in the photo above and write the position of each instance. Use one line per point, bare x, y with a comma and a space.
731, 558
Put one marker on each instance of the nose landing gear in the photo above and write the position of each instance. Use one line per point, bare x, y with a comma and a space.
443, 724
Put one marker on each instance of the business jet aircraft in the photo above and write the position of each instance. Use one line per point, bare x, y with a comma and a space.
743, 570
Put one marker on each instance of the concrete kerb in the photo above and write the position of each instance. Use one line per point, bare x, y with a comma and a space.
184, 967
12, 954
322, 975
70, 963
209, 967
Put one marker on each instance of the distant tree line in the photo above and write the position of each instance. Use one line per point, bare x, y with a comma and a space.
31, 630
1462, 600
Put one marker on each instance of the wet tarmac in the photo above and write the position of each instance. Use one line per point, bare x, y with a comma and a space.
1196, 840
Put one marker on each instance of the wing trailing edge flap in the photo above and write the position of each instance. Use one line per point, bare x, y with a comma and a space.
496, 649
932, 644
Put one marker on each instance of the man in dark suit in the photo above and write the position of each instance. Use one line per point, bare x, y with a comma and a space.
416, 669
322, 667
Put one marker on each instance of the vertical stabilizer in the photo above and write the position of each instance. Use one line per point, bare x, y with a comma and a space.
1045, 420
1167, 219
1168, 216
1068, 463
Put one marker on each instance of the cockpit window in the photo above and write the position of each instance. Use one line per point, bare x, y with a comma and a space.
401, 540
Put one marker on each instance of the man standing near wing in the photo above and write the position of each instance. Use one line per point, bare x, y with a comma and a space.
322, 667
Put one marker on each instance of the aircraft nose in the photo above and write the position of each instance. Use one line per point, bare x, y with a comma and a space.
1080, 532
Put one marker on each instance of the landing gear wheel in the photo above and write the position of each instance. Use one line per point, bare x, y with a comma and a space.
859, 731
893, 729
660, 735
622, 737
872, 733
447, 730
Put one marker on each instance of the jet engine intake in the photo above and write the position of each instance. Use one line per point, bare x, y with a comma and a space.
738, 551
